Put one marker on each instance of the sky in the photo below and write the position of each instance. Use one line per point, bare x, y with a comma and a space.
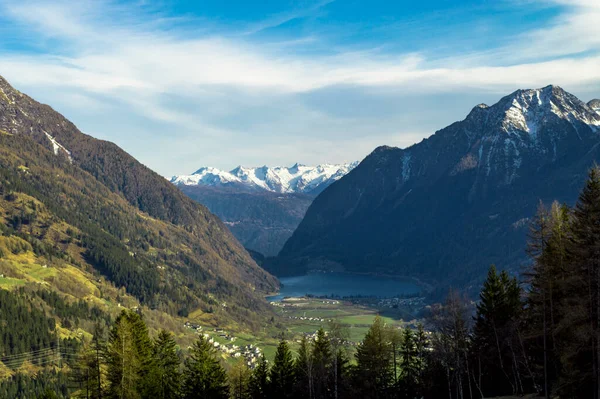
185, 84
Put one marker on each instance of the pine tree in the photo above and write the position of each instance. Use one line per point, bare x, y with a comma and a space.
203, 375
322, 359
548, 248
304, 370
129, 357
395, 339
496, 336
259, 381
166, 367
374, 376
82, 371
98, 347
421, 350
342, 387
239, 381
408, 364
489, 337
282, 372
581, 351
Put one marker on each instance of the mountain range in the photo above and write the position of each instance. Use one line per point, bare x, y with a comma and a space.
261, 206
84, 218
298, 179
446, 208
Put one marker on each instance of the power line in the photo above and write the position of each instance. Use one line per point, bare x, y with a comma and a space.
35, 352
41, 360
39, 357
26, 353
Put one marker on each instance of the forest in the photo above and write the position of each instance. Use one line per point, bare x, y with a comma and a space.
536, 335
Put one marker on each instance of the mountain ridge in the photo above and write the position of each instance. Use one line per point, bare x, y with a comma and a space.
262, 206
298, 178
128, 223
467, 186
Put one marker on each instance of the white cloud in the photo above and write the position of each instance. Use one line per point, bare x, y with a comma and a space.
223, 99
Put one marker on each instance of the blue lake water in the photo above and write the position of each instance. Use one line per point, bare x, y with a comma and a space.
343, 284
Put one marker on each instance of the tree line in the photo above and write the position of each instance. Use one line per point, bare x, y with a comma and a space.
126, 363
540, 335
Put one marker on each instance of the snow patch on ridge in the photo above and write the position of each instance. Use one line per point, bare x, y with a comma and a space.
57, 146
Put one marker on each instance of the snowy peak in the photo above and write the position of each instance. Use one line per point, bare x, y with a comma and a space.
525, 110
595, 105
206, 176
298, 178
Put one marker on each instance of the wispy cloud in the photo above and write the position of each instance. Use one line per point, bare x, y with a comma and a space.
279, 19
211, 98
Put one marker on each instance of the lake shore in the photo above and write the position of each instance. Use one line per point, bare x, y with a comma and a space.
344, 284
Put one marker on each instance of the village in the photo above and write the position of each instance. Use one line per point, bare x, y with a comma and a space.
250, 352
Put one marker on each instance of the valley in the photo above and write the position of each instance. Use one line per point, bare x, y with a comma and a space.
304, 316
112, 268
261, 206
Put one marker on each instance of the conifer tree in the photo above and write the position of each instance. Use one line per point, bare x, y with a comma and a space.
374, 362
395, 339
421, 350
203, 375
304, 370
282, 373
98, 347
489, 337
342, 386
129, 357
239, 381
546, 240
259, 380
496, 346
87, 371
581, 351
166, 372
322, 360
408, 364
83, 371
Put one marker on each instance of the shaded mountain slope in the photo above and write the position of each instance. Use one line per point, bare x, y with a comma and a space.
262, 221
445, 208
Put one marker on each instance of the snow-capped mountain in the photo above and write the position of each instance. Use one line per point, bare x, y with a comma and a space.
295, 179
595, 105
262, 206
446, 208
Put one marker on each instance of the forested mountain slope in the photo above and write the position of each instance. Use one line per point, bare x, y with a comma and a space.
71, 201
446, 208
261, 220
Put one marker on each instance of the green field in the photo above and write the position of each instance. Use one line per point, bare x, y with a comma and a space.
8, 283
295, 320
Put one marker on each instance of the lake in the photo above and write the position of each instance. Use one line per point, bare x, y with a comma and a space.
344, 284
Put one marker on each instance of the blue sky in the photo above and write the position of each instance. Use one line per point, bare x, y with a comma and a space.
186, 84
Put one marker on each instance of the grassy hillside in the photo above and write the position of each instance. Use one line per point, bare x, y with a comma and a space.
83, 218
